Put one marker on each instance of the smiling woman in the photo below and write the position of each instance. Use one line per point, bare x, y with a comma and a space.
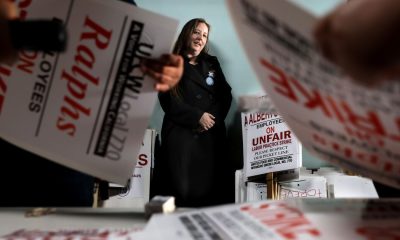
194, 166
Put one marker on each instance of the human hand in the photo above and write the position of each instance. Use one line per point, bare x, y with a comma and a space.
166, 70
207, 121
362, 38
8, 11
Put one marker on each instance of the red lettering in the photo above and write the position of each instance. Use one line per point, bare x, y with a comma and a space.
270, 129
22, 5
284, 86
335, 109
66, 126
73, 106
75, 87
3, 85
142, 160
313, 98
77, 70
99, 32
25, 62
72, 110
85, 56
367, 125
365, 136
369, 159
287, 134
396, 137
287, 221
271, 137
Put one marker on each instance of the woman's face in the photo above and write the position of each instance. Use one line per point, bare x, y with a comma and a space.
198, 39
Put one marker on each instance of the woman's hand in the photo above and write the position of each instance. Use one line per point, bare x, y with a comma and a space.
207, 121
166, 70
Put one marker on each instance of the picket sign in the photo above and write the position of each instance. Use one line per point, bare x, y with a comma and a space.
138, 190
268, 144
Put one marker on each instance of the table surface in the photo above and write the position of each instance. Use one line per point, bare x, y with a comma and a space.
13, 219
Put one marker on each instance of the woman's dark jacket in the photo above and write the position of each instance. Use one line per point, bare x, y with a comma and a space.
195, 162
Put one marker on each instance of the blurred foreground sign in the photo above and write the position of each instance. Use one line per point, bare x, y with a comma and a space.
87, 108
348, 125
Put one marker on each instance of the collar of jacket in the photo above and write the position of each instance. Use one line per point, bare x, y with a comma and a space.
200, 77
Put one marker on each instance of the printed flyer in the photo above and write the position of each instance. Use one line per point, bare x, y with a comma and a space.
295, 219
269, 145
86, 108
350, 126
97, 233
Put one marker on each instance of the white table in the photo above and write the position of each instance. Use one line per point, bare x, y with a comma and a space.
13, 219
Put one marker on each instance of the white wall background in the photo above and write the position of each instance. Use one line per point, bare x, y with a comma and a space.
224, 43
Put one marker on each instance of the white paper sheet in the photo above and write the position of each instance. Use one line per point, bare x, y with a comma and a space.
87, 108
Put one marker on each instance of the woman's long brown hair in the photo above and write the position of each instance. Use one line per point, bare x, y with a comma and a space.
182, 43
